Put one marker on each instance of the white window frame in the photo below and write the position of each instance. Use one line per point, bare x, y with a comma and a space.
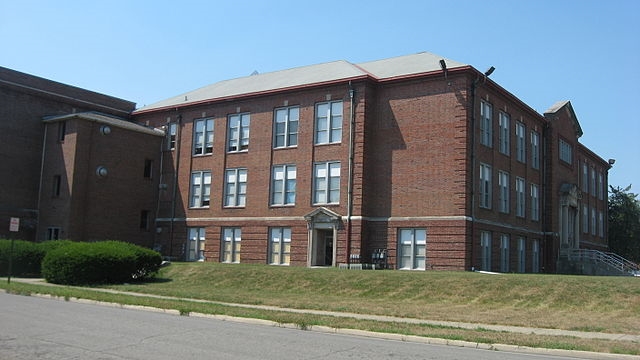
202, 137
535, 256
593, 181
585, 219
235, 187
585, 177
195, 244
535, 202
535, 150
520, 197
326, 183
485, 247
600, 186
328, 126
53, 233
485, 186
505, 257
503, 195
486, 124
200, 193
285, 127
238, 132
283, 185
565, 151
231, 245
521, 151
522, 254
601, 224
279, 246
172, 136
412, 249
505, 134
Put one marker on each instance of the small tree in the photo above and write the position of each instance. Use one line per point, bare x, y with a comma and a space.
624, 223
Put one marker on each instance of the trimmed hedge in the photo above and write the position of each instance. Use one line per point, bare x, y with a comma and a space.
105, 262
27, 256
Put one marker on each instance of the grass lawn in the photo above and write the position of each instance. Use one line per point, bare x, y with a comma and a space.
601, 304
598, 304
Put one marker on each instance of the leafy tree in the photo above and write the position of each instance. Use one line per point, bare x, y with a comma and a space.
624, 223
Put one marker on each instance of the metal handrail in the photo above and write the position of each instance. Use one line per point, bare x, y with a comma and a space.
613, 260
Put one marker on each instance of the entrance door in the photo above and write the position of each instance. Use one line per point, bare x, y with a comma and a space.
323, 248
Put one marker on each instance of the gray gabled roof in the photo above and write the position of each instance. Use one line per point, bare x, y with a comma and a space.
105, 119
307, 76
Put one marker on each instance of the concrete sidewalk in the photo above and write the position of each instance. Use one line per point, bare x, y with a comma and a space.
381, 318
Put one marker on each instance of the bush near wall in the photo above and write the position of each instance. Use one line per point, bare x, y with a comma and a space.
27, 256
99, 263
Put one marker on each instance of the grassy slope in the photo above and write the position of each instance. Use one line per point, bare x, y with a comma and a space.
606, 304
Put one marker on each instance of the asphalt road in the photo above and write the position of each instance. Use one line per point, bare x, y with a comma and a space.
38, 328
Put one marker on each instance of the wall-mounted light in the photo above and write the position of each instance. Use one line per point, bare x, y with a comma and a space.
101, 171
612, 161
489, 71
105, 130
443, 66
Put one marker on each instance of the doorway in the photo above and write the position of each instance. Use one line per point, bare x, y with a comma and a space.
323, 246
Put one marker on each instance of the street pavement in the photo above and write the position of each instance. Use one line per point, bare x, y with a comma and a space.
404, 338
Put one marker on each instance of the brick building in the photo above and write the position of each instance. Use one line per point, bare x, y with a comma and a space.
422, 159
414, 162
72, 163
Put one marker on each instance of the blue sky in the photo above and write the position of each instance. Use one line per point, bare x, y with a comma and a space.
584, 51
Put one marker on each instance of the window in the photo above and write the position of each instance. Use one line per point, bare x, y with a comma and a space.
235, 188
326, 183
520, 198
535, 202
600, 186
485, 186
279, 246
57, 185
202, 137
200, 189
566, 152
231, 240
600, 224
522, 260
144, 220
504, 253
285, 132
594, 225
62, 130
53, 233
172, 132
195, 246
585, 219
329, 122
535, 256
283, 185
412, 249
485, 245
486, 124
535, 150
504, 136
503, 185
239, 132
520, 144
593, 182
585, 177
148, 169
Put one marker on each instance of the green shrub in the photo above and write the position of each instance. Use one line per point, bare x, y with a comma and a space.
27, 257
99, 263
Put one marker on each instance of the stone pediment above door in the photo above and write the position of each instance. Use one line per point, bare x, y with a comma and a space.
322, 216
